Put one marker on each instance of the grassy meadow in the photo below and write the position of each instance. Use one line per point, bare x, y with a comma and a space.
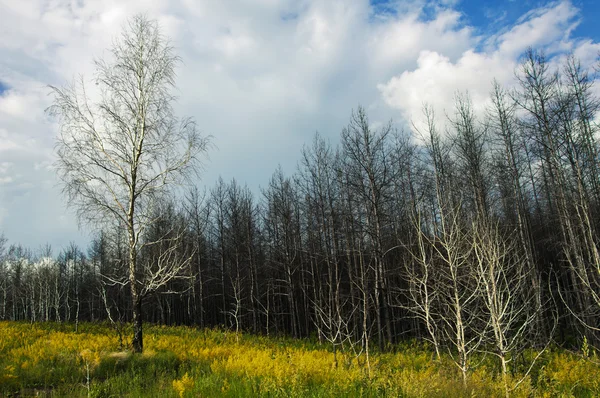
49, 359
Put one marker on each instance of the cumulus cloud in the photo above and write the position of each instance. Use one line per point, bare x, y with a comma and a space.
261, 76
437, 77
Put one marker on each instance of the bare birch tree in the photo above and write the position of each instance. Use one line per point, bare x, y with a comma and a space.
508, 300
119, 153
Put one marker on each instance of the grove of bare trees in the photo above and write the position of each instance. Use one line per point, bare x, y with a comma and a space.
477, 236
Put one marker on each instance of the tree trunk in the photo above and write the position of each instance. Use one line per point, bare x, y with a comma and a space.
138, 341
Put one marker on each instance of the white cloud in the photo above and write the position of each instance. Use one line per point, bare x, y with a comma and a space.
436, 78
402, 40
547, 26
261, 76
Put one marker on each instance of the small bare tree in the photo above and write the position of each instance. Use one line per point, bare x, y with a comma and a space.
508, 300
119, 153
459, 290
421, 291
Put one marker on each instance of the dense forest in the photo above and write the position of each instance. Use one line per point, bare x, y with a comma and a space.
481, 234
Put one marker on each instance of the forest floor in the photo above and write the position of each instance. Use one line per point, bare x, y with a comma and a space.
52, 359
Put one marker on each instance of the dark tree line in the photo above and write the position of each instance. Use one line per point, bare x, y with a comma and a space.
481, 235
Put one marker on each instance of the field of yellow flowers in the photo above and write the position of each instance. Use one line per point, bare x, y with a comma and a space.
48, 359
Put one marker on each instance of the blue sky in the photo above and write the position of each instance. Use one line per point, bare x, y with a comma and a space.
261, 76
490, 16
500, 14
